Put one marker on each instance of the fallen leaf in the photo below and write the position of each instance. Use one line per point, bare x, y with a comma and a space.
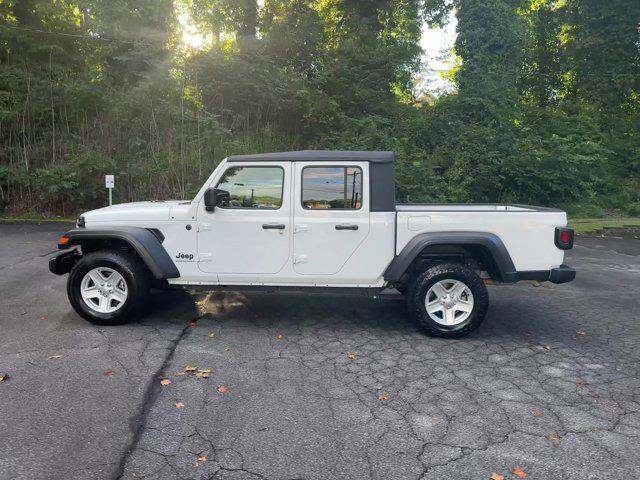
3, 377
280, 337
382, 397
190, 369
212, 334
55, 357
582, 333
179, 405
538, 413
165, 382
204, 373
226, 349
222, 389
518, 472
202, 458
496, 476
109, 373
553, 438
44, 317
351, 355
547, 347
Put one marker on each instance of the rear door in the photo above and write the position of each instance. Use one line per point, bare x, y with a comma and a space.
331, 215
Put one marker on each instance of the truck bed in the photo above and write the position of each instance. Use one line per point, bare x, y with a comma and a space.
470, 207
526, 231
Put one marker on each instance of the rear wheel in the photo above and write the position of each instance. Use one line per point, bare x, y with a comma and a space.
108, 287
448, 300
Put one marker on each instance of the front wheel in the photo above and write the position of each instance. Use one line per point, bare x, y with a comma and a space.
108, 287
448, 300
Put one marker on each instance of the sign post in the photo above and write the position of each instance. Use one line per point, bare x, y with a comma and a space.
109, 181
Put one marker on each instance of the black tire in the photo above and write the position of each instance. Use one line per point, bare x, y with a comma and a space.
420, 285
132, 270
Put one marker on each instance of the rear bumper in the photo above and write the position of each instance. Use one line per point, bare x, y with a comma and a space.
63, 263
561, 274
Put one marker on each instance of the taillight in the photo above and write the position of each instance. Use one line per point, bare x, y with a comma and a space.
564, 238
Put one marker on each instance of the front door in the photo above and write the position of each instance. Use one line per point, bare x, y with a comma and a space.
250, 235
331, 215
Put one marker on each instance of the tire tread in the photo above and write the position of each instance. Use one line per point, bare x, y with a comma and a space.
126, 263
422, 281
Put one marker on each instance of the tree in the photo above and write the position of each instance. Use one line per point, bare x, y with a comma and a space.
545, 106
237, 17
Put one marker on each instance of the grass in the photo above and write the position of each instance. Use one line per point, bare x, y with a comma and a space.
34, 219
590, 225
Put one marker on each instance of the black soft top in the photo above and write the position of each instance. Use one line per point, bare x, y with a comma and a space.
381, 170
317, 155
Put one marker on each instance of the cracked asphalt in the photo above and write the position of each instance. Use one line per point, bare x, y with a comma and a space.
320, 387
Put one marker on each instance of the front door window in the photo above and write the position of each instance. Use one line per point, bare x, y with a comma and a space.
253, 187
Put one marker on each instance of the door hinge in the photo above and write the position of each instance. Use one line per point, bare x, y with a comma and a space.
299, 259
301, 228
205, 257
202, 227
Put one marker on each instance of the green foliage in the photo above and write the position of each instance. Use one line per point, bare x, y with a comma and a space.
594, 224
546, 107
564, 166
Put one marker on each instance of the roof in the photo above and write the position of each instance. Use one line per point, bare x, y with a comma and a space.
317, 155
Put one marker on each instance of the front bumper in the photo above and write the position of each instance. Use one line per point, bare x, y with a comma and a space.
562, 274
63, 263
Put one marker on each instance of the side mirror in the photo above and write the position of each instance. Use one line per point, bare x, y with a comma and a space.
214, 197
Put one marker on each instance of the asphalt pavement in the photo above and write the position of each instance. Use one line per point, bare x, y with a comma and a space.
320, 387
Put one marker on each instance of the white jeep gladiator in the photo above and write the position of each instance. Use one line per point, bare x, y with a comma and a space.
311, 221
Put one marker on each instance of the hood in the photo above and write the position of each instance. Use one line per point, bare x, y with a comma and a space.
144, 211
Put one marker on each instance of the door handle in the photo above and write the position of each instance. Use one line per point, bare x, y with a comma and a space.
273, 226
346, 227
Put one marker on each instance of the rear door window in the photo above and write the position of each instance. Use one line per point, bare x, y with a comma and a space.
337, 188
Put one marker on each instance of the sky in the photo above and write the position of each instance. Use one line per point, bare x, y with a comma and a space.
437, 44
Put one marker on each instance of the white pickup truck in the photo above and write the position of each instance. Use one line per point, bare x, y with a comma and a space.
311, 221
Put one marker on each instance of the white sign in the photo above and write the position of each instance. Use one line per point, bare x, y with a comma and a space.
109, 181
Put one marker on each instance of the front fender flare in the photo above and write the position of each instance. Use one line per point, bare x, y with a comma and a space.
499, 253
141, 240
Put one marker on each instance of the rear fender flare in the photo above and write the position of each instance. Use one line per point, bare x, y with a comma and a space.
491, 242
144, 242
